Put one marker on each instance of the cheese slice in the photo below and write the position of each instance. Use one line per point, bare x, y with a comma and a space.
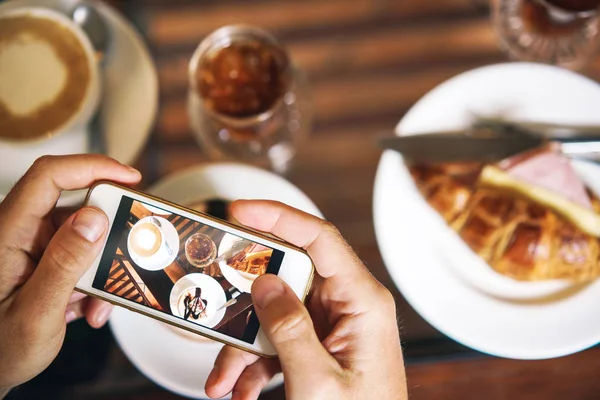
579, 215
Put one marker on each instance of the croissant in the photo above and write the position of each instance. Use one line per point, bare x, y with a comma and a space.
516, 236
255, 263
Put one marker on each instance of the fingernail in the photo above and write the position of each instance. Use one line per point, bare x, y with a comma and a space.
90, 224
213, 377
266, 289
103, 314
70, 316
133, 170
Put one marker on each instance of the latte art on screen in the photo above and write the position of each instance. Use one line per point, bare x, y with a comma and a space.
146, 239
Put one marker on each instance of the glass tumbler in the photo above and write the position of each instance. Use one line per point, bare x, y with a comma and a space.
246, 101
559, 32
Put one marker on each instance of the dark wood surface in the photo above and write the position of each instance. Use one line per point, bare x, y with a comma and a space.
368, 62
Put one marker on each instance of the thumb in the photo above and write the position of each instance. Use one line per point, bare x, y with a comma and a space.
69, 254
287, 324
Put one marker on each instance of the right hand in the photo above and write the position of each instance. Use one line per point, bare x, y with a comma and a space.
343, 345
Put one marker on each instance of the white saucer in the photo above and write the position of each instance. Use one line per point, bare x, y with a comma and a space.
441, 278
168, 364
161, 259
242, 281
212, 292
128, 107
178, 362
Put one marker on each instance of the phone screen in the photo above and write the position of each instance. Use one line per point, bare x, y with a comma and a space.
184, 268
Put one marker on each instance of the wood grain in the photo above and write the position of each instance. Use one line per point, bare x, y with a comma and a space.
368, 62
189, 23
573, 377
344, 54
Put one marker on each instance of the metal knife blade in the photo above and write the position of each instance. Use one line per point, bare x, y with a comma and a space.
235, 249
443, 147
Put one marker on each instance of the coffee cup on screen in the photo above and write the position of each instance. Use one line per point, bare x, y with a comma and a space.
146, 238
49, 78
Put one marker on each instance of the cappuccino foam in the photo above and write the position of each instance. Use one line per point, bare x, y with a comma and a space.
44, 76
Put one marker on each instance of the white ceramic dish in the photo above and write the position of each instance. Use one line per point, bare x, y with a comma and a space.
241, 280
155, 210
89, 103
436, 272
127, 110
161, 259
168, 364
212, 292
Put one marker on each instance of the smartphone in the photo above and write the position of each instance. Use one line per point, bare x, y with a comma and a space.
188, 269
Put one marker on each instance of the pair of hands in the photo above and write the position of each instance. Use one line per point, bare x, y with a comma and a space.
343, 344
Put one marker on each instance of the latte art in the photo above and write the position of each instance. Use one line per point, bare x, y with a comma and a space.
44, 76
146, 239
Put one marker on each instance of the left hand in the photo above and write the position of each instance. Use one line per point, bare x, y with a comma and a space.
43, 252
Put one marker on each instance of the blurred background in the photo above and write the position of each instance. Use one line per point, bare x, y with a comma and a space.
368, 62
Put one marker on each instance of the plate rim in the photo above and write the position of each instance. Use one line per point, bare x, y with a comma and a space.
378, 220
200, 275
165, 380
119, 23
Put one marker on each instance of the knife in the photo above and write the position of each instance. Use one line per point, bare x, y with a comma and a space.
455, 147
237, 247
231, 301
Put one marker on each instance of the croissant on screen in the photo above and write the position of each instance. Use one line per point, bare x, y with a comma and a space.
530, 217
253, 260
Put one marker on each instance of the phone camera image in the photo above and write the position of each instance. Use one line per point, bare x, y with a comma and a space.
185, 268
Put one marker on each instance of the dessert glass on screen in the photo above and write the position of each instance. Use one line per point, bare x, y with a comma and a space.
559, 32
247, 102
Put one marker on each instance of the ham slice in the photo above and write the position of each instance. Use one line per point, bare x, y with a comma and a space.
547, 167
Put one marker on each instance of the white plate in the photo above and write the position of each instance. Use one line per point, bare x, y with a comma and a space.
178, 362
168, 364
436, 272
161, 259
242, 281
212, 292
128, 106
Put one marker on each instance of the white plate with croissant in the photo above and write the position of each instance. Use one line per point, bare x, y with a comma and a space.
503, 257
244, 268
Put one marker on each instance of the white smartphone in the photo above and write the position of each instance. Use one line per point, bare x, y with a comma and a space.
188, 269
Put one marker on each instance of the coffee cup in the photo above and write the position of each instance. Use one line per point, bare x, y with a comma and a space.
49, 75
146, 238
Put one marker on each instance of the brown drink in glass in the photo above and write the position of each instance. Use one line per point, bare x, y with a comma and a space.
243, 79
246, 100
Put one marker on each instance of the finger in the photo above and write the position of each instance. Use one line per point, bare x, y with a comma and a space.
76, 296
327, 248
76, 310
229, 365
40, 187
97, 312
69, 254
94, 310
289, 328
254, 379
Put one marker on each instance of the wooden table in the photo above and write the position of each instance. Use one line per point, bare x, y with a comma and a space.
368, 62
